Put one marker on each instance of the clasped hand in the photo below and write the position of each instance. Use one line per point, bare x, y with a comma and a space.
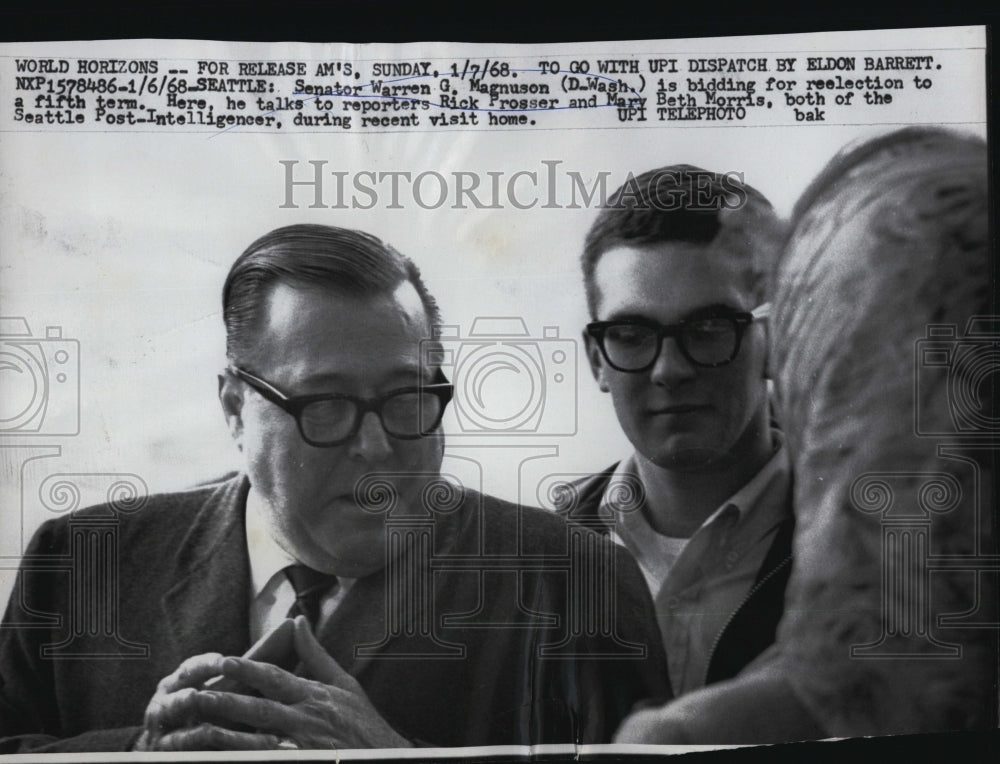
325, 708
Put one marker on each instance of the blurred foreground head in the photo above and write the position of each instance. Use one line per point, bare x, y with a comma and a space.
883, 364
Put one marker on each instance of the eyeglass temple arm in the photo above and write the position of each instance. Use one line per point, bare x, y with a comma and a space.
262, 386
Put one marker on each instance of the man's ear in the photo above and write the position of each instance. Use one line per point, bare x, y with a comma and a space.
231, 398
597, 367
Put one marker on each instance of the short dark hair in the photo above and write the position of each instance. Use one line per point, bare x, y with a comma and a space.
683, 203
341, 260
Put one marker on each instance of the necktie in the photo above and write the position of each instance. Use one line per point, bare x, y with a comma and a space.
310, 586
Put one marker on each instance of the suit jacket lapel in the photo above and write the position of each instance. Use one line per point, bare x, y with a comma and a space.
208, 608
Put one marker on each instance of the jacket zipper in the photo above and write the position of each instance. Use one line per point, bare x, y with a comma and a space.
750, 594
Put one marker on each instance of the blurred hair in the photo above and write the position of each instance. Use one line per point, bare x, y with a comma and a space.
911, 150
883, 339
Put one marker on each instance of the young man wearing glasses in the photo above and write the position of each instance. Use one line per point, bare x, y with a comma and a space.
426, 613
672, 272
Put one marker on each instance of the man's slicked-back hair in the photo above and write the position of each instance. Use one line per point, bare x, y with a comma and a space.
340, 260
686, 204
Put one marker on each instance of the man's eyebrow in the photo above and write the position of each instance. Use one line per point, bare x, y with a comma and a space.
638, 317
332, 379
713, 309
699, 312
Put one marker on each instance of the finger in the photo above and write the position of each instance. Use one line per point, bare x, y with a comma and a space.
165, 711
270, 681
171, 710
317, 663
208, 737
192, 672
631, 729
144, 743
227, 708
660, 727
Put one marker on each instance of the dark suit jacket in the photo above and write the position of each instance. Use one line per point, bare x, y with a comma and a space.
508, 661
752, 627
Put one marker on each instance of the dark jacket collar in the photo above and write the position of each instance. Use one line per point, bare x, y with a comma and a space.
208, 606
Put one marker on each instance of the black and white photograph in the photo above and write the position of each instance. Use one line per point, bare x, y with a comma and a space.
450, 399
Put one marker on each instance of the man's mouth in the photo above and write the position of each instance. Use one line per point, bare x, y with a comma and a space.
680, 408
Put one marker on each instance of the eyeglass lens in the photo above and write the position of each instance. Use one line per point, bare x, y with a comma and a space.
636, 346
407, 414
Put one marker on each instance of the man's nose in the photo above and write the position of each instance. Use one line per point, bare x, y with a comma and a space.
671, 366
371, 441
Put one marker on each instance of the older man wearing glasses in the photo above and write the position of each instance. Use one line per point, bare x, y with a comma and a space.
424, 613
678, 339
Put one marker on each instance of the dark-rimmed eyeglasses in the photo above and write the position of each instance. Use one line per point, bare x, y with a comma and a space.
332, 419
711, 340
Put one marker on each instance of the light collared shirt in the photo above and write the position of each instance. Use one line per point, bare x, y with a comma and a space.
698, 583
271, 593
